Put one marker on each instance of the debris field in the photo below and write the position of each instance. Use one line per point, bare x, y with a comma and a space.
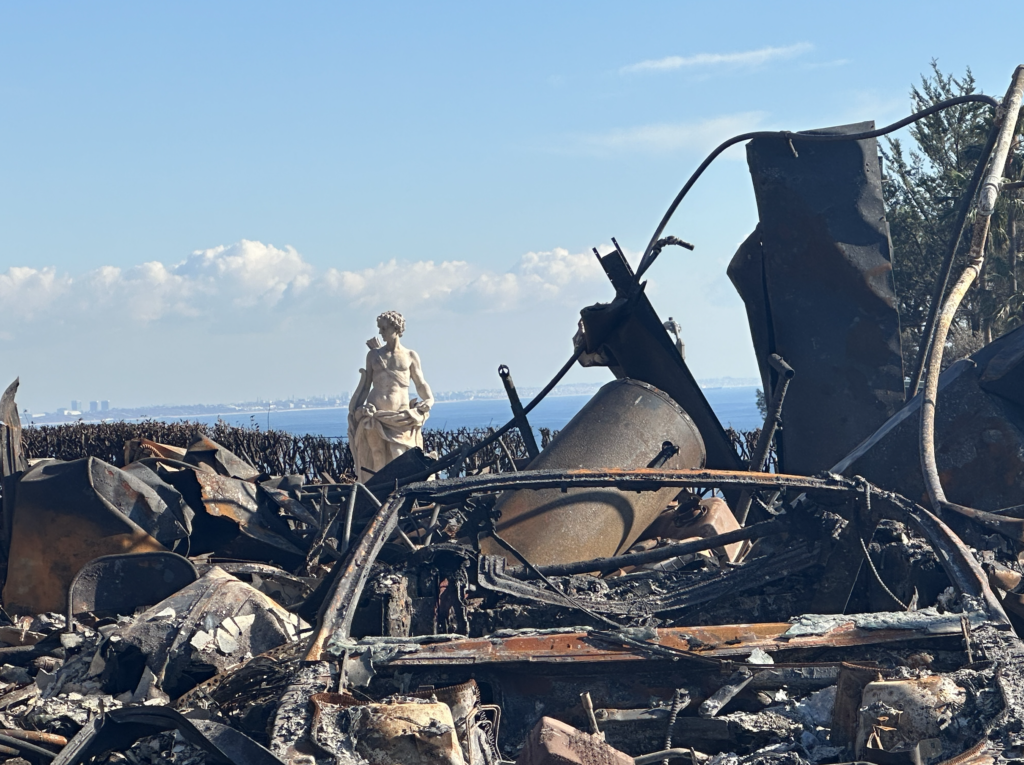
635, 592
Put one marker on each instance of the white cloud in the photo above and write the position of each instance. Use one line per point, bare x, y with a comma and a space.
251, 284
749, 58
26, 292
666, 137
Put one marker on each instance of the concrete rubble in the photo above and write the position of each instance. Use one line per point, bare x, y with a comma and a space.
635, 593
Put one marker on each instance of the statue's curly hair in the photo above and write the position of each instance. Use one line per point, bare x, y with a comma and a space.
395, 319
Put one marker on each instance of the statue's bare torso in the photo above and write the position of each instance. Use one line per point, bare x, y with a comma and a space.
390, 372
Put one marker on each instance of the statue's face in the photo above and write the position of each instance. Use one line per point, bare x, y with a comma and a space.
387, 330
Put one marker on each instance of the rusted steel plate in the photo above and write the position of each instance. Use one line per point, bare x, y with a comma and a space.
235, 499
61, 523
725, 641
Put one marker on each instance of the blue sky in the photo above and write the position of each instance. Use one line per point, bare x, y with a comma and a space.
201, 202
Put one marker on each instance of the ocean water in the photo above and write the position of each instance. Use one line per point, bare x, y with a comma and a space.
734, 406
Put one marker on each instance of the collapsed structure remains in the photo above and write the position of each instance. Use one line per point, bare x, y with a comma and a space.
634, 592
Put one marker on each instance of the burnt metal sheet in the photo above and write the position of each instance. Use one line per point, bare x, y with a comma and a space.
118, 729
817, 280
212, 624
176, 505
133, 496
979, 445
1001, 363
291, 506
235, 500
725, 641
119, 584
628, 334
625, 425
206, 451
65, 515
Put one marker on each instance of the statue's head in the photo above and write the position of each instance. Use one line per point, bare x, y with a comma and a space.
391, 319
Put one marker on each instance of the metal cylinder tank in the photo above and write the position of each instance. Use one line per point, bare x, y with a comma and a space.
623, 426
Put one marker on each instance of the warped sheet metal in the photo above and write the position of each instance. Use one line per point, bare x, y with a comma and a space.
724, 641
255, 533
119, 584
628, 336
68, 513
979, 445
206, 452
816, 277
210, 625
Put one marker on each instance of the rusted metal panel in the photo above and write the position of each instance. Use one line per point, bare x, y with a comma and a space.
720, 641
624, 425
60, 523
207, 452
819, 290
234, 499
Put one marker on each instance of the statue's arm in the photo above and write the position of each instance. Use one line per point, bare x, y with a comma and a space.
422, 389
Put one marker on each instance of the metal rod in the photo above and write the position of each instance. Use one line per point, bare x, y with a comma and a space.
606, 565
461, 454
673, 754
517, 412
508, 454
772, 420
947, 262
986, 204
369, 493
433, 523
645, 261
25, 746
350, 512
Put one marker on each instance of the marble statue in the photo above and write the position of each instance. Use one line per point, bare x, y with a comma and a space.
382, 422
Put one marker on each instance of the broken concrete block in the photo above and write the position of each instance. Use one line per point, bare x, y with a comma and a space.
553, 742
895, 713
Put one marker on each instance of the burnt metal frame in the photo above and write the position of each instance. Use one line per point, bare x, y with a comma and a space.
335, 617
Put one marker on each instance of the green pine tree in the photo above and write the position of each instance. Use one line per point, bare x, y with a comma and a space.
922, 186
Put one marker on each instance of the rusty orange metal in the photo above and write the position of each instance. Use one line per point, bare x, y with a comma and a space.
719, 641
59, 525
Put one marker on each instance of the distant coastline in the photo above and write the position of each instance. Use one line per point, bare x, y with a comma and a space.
259, 409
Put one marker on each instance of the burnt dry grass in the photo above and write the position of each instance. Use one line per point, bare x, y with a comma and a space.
276, 452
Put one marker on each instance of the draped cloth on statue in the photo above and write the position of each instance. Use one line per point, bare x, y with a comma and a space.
376, 436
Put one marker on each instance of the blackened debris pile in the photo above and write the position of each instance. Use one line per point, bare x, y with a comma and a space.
635, 592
